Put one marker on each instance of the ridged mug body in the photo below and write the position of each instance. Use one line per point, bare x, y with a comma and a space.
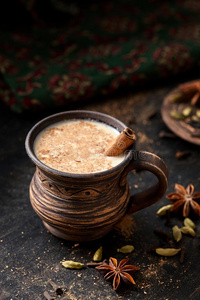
79, 210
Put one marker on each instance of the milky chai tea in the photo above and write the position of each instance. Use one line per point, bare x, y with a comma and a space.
77, 146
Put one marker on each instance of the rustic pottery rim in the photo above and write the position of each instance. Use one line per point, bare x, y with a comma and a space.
94, 115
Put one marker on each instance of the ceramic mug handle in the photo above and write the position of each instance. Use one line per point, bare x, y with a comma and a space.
143, 160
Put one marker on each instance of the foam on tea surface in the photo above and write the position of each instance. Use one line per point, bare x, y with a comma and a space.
77, 146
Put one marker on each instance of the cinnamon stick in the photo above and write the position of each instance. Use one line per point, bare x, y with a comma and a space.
126, 138
56, 288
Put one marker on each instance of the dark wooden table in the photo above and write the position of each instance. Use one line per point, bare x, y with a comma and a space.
30, 255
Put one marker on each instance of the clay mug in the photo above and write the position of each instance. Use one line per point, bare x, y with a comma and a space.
85, 207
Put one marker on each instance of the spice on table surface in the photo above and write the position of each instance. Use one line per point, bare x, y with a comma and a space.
163, 235
177, 234
189, 223
55, 287
96, 264
167, 251
185, 200
126, 226
69, 264
118, 272
163, 210
182, 255
48, 296
183, 154
126, 249
98, 254
188, 230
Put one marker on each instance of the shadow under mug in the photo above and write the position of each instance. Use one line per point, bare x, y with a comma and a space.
85, 207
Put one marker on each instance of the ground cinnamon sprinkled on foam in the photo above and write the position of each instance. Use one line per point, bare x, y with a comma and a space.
76, 146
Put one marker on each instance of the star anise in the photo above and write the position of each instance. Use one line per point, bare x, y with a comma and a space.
192, 90
118, 272
185, 200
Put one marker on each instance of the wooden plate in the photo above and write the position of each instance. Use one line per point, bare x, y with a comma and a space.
179, 127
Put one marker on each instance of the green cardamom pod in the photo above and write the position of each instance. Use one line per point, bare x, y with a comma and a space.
198, 113
167, 251
188, 230
69, 264
162, 211
177, 234
98, 254
189, 223
126, 249
195, 118
177, 115
187, 111
174, 98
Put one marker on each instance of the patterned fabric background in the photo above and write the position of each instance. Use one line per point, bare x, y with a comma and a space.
63, 52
